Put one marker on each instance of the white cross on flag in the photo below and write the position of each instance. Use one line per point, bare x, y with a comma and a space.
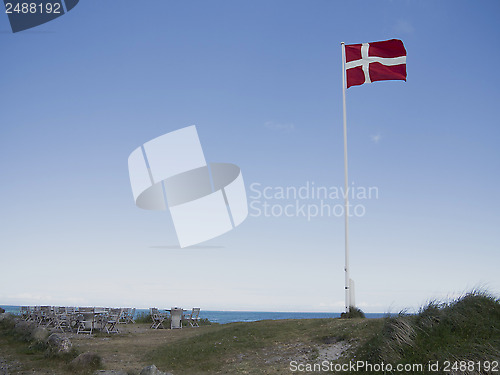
376, 61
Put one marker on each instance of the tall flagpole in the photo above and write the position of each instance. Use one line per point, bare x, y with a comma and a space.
346, 191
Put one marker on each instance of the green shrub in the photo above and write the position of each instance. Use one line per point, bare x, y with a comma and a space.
18, 335
143, 317
204, 322
354, 312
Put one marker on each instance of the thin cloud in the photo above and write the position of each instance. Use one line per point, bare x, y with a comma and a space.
279, 126
376, 138
404, 27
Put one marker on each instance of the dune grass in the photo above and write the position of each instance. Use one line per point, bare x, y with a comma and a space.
463, 330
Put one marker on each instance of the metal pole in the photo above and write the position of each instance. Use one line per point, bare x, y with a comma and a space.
346, 191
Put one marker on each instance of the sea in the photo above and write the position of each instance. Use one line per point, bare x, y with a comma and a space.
224, 317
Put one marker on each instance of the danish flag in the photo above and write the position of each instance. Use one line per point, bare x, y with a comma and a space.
376, 61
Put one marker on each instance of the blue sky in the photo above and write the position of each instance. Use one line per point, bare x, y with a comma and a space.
261, 80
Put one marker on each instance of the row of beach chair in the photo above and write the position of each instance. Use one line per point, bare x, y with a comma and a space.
79, 319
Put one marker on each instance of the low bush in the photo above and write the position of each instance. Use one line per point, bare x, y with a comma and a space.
354, 312
143, 317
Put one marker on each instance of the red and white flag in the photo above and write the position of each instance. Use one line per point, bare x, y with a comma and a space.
376, 61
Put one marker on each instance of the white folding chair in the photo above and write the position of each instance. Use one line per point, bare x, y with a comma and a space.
72, 317
112, 320
32, 315
157, 317
45, 315
124, 314
193, 317
25, 312
60, 319
70, 309
130, 316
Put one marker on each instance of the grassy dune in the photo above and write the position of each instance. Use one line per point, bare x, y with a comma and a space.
262, 347
462, 332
